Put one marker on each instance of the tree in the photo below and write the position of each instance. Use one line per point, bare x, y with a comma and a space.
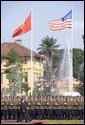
14, 70
78, 59
78, 68
25, 87
4, 91
49, 48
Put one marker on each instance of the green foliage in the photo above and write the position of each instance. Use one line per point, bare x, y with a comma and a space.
48, 46
78, 71
13, 56
57, 59
25, 87
14, 70
78, 59
4, 91
47, 74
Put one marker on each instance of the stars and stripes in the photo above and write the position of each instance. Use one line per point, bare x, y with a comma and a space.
64, 22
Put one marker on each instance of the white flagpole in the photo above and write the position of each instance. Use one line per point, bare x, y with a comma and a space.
72, 49
72, 55
31, 55
71, 60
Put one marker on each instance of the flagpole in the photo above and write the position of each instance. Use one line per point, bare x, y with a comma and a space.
72, 53
31, 56
71, 59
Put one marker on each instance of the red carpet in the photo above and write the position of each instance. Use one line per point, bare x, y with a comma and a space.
23, 122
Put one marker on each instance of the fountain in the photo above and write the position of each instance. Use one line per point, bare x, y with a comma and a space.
65, 76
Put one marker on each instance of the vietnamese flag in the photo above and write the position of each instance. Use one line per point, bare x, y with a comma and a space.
25, 27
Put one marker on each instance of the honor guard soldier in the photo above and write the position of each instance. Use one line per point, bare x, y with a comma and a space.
5, 109
36, 107
55, 109
82, 107
69, 106
10, 106
78, 107
75, 107
2, 103
29, 105
62, 107
39, 111
16, 108
18, 102
48, 108
45, 107
57, 104
65, 109
41, 108
32, 108
59, 107
11, 109
51, 107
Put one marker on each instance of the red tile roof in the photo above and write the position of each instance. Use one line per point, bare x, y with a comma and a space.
5, 48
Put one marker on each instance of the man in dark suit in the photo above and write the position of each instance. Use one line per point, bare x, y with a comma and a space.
23, 112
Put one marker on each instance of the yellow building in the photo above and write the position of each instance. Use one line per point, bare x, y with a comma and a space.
37, 63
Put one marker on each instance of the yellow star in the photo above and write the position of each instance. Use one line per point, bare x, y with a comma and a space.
22, 26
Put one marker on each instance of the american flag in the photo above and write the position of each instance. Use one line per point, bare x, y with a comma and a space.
64, 22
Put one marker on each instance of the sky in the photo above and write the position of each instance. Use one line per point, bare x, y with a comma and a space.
14, 13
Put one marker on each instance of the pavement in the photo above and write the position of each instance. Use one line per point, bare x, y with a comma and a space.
43, 122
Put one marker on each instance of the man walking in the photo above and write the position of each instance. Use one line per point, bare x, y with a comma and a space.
23, 111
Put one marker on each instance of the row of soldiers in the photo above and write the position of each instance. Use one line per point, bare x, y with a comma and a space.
59, 107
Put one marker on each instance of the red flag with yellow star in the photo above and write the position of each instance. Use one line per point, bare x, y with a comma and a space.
25, 27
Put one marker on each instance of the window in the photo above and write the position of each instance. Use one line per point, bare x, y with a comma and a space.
40, 62
34, 60
34, 76
26, 60
29, 58
20, 77
26, 76
39, 76
13, 63
11, 80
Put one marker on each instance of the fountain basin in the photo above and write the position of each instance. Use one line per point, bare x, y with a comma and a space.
70, 94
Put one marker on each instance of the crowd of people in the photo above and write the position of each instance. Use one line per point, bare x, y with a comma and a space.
50, 107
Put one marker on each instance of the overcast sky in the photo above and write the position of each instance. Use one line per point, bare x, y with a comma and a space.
14, 13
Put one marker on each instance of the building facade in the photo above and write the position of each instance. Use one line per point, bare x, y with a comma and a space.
37, 64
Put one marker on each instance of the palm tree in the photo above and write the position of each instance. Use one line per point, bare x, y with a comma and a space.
49, 48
